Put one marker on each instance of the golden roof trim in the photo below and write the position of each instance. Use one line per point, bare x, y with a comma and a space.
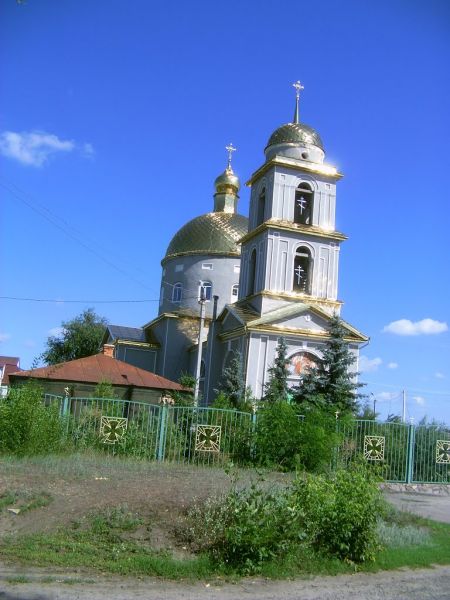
294, 228
290, 164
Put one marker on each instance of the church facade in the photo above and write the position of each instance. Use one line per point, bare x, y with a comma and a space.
272, 275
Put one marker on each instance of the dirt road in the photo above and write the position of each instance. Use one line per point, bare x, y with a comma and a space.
429, 584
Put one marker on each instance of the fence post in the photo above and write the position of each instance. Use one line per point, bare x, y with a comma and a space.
410, 459
162, 432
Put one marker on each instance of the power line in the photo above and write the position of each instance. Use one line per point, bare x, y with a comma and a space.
61, 301
65, 228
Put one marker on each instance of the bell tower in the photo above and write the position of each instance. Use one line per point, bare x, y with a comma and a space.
291, 250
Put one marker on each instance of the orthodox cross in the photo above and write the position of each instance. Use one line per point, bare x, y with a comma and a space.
298, 87
299, 273
301, 204
230, 149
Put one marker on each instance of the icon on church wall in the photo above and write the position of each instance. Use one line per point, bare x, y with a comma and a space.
301, 362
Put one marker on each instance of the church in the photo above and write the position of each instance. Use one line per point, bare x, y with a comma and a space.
239, 284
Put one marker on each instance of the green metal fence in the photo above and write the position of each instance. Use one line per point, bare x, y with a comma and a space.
172, 433
400, 452
213, 436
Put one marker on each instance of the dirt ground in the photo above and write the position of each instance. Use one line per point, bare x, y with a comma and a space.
160, 494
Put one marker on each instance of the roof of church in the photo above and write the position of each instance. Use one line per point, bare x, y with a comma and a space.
295, 133
213, 233
100, 367
135, 334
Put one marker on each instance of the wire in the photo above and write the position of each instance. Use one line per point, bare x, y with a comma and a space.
75, 301
64, 227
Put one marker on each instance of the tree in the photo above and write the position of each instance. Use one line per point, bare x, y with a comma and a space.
330, 385
277, 387
232, 384
80, 337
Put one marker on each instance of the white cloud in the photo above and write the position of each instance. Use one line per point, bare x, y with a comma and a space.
423, 327
32, 147
439, 375
4, 337
420, 400
386, 395
392, 365
56, 331
367, 364
35, 147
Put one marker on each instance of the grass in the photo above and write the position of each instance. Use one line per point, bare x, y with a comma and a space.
101, 544
24, 500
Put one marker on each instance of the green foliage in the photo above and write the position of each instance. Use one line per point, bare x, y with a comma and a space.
277, 386
80, 337
318, 441
248, 527
245, 528
232, 383
330, 385
27, 426
104, 389
278, 435
341, 513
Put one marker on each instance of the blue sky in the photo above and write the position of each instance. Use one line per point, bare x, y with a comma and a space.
113, 122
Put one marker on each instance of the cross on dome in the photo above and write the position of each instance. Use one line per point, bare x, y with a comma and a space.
230, 149
298, 88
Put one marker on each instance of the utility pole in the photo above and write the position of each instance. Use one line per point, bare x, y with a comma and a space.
404, 406
201, 301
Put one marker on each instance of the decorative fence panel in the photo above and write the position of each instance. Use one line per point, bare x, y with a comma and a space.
214, 436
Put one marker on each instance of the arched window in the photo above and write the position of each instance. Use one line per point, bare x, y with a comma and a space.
177, 292
261, 209
202, 369
234, 292
302, 271
303, 209
205, 290
252, 273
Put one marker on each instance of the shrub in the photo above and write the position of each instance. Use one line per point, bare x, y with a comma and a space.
318, 440
278, 435
341, 513
27, 425
245, 528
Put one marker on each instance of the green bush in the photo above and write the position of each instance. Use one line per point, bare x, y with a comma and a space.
278, 436
318, 440
341, 513
248, 527
27, 425
245, 528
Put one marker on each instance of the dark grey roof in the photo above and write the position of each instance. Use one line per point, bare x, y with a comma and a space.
119, 332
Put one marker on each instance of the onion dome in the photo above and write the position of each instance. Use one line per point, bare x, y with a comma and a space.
296, 140
295, 133
227, 182
216, 233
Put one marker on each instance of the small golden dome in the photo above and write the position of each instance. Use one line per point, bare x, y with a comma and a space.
227, 182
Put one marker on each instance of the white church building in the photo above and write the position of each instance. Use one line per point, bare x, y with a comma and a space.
272, 275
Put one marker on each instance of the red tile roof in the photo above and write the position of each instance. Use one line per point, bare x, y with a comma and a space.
99, 367
9, 368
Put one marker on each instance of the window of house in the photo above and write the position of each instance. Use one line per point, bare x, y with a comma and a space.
261, 208
179, 268
205, 290
207, 266
302, 271
303, 208
237, 268
177, 292
234, 292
